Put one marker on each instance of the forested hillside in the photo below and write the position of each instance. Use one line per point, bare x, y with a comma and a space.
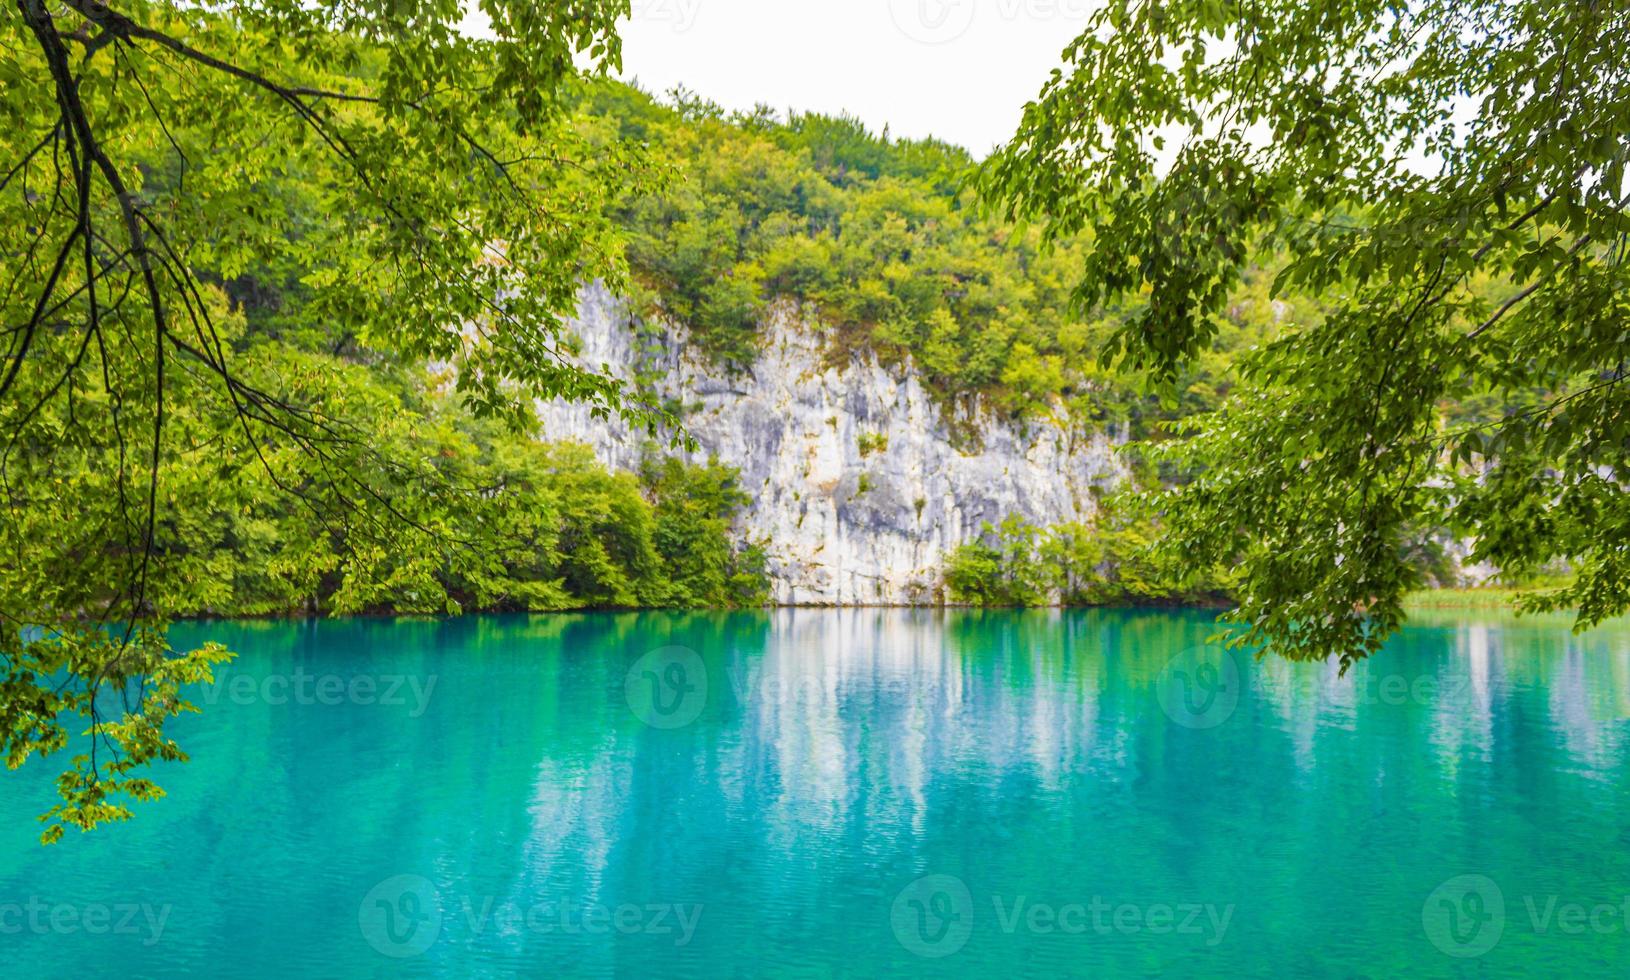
884, 244
308, 465
885, 240
888, 250
717, 216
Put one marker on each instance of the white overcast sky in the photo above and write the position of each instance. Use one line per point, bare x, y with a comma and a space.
959, 70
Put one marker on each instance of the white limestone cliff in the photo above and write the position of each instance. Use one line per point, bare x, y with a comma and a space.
858, 486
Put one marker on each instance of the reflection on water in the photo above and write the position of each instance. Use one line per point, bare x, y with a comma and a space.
797, 770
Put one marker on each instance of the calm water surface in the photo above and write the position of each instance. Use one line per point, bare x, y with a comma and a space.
857, 792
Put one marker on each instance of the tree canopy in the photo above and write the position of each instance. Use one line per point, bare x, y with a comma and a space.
423, 192
1448, 177
888, 252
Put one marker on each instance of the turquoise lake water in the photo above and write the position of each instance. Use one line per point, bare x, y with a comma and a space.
856, 792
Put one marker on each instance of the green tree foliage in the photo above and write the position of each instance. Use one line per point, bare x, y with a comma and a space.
508, 523
1072, 564
420, 186
1002, 569
887, 252
695, 507
1448, 178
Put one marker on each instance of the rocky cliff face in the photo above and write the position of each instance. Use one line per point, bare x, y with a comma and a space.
858, 484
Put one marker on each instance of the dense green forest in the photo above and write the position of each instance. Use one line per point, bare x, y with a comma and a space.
396, 487
886, 246
527, 525
426, 502
888, 252
879, 239
1106, 563
514, 523
891, 252
876, 237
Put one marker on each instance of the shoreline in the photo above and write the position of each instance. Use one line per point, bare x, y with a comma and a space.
1470, 599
